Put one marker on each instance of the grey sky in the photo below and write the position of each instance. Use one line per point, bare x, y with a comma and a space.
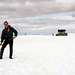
38, 16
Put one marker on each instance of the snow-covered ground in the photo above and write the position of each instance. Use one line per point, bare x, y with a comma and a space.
40, 55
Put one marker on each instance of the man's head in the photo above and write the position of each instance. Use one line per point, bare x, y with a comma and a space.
6, 24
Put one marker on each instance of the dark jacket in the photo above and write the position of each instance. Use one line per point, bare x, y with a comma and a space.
7, 36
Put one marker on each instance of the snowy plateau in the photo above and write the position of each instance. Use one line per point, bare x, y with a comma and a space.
40, 55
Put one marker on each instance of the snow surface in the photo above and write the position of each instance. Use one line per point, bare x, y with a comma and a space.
40, 55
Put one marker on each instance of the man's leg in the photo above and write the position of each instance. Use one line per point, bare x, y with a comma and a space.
2, 49
11, 49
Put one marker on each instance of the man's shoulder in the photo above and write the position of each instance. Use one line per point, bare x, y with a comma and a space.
9, 26
4, 29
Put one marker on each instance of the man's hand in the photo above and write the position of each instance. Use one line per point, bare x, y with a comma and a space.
13, 37
0, 43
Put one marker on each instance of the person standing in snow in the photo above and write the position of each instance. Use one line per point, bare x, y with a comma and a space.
7, 38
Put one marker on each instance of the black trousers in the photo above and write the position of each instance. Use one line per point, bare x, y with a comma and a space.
10, 46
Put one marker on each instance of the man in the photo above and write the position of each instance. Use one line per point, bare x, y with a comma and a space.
7, 38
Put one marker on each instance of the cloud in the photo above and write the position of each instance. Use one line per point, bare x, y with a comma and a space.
19, 13
24, 8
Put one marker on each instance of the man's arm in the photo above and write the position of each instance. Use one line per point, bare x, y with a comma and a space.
2, 37
14, 31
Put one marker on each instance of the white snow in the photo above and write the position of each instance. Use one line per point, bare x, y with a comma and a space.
40, 55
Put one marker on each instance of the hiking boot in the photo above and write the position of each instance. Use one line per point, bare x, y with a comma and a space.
10, 57
0, 57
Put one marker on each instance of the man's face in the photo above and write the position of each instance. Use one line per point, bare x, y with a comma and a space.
6, 25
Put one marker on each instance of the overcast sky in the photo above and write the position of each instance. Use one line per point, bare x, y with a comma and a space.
38, 16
